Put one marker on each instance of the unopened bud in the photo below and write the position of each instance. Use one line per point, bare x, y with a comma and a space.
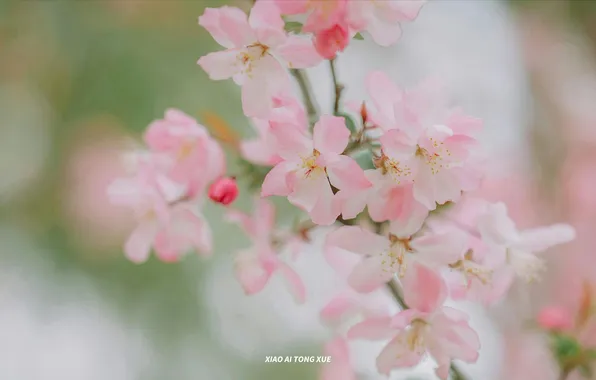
329, 41
555, 318
224, 190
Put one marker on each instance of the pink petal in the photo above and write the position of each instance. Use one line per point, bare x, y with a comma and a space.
327, 208
407, 10
404, 318
267, 22
292, 7
340, 367
432, 189
330, 135
291, 142
383, 92
442, 248
275, 182
397, 145
299, 52
356, 239
295, 284
370, 274
338, 307
228, 26
377, 328
539, 239
496, 225
423, 288
250, 272
396, 355
256, 99
412, 214
345, 174
138, 244
220, 64
383, 32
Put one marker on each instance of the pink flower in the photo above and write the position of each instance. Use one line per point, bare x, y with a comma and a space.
381, 19
340, 367
332, 40
197, 159
427, 327
424, 144
224, 190
322, 14
517, 249
255, 266
258, 51
165, 220
555, 318
386, 256
387, 199
310, 167
262, 150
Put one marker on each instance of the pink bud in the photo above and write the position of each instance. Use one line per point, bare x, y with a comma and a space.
224, 190
555, 318
329, 41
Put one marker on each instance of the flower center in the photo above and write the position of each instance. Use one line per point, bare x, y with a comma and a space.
251, 53
395, 257
525, 265
185, 150
469, 268
309, 164
434, 156
395, 169
414, 337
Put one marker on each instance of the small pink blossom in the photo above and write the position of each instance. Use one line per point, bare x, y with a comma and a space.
517, 248
332, 40
258, 53
197, 159
311, 166
224, 190
322, 14
287, 112
394, 253
555, 318
424, 144
166, 221
381, 19
427, 327
340, 367
255, 266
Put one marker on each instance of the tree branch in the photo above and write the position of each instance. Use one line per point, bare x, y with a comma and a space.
337, 87
307, 94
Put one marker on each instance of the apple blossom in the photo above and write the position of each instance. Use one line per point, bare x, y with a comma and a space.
258, 51
332, 40
321, 14
517, 248
310, 167
224, 190
255, 266
427, 327
197, 159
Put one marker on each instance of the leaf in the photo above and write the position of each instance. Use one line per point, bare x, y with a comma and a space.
293, 27
365, 159
358, 36
566, 348
350, 123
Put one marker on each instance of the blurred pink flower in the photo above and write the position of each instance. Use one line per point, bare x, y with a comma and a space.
340, 367
555, 318
332, 40
223, 190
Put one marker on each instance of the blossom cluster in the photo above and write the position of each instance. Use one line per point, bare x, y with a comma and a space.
403, 216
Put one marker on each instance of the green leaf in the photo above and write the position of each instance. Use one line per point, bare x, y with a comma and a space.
350, 123
293, 27
566, 347
358, 36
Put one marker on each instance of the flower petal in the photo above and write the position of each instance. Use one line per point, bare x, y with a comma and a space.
424, 289
275, 182
377, 328
357, 240
330, 135
299, 52
369, 274
228, 26
138, 244
220, 65
294, 283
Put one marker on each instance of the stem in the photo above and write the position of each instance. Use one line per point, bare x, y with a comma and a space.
564, 374
396, 292
337, 87
307, 94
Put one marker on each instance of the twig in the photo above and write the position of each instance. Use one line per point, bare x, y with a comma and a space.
337, 87
565, 374
397, 293
307, 94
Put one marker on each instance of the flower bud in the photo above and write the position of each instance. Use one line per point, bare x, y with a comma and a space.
555, 318
224, 190
329, 41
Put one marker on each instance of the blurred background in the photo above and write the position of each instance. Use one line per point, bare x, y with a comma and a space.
79, 82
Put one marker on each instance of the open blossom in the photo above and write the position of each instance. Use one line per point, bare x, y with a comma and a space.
394, 253
166, 221
258, 53
381, 19
255, 266
423, 143
197, 159
427, 327
310, 167
262, 150
517, 249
